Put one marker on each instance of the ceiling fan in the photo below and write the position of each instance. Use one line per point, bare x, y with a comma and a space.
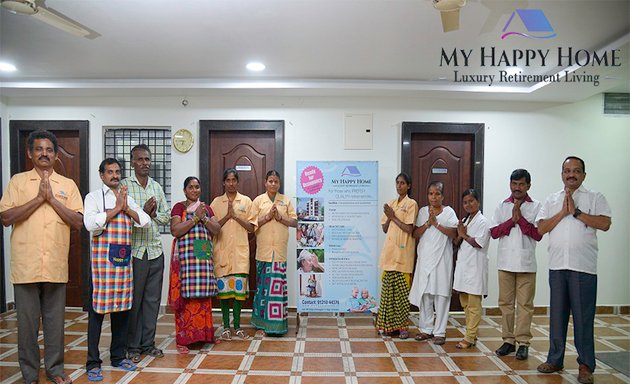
449, 10
48, 16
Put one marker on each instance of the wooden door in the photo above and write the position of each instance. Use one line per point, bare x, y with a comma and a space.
254, 148
449, 153
72, 163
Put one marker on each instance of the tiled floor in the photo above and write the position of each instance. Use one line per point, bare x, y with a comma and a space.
329, 350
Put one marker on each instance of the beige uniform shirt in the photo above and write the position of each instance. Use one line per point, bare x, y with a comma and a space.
40, 244
272, 238
399, 247
231, 245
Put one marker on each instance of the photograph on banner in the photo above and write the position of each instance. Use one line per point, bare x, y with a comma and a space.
310, 209
311, 284
361, 300
337, 235
310, 234
310, 260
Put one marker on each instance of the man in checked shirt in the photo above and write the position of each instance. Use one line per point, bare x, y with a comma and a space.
148, 256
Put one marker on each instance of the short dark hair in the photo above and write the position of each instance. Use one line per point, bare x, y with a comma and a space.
473, 192
42, 134
437, 184
143, 147
405, 177
227, 172
189, 179
518, 174
575, 158
108, 161
273, 172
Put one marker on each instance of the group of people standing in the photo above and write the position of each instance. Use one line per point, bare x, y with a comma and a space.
210, 257
571, 217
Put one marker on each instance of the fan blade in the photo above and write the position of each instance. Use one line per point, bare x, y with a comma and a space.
60, 22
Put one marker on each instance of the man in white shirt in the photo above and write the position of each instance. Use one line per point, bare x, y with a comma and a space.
109, 216
572, 217
513, 225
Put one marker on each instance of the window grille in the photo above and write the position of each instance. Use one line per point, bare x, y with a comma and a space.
120, 140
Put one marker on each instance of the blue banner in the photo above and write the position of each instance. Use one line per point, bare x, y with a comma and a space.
337, 236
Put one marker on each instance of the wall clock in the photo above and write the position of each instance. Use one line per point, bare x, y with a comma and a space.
183, 140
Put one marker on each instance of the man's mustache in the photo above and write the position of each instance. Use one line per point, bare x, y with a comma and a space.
115, 179
44, 157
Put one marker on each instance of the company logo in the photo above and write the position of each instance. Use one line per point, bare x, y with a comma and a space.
351, 170
534, 20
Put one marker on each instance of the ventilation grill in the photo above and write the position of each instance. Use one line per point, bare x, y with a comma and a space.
616, 103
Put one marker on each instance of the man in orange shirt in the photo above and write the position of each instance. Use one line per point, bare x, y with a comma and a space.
43, 203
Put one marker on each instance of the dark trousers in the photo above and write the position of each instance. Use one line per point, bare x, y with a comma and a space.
574, 293
48, 302
147, 295
119, 328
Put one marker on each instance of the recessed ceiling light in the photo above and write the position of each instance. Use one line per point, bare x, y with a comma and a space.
6, 67
255, 66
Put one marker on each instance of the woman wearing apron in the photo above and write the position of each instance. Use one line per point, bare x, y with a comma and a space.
192, 281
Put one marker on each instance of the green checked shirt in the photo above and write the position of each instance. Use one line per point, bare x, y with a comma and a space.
148, 239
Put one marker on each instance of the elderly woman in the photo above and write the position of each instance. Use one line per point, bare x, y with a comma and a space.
397, 260
436, 227
192, 281
272, 214
471, 271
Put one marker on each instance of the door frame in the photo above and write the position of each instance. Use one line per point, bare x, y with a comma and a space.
206, 127
17, 128
474, 129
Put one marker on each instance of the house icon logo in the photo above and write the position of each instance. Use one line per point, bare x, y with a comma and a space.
535, 22
351, 170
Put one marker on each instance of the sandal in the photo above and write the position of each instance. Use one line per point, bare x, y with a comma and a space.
182, 349
439, 340
63, 379
126, 365
134, 357
95, 374
226, 335
154, 352
242, 334
403, 335
464, 344
423, 336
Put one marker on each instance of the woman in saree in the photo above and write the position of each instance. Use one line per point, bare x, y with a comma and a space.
272, 214
192, 281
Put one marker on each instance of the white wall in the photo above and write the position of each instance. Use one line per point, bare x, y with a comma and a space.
535, 136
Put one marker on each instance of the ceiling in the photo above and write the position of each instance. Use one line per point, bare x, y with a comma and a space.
310, 47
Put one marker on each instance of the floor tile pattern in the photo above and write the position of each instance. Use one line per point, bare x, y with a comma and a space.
328, 349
